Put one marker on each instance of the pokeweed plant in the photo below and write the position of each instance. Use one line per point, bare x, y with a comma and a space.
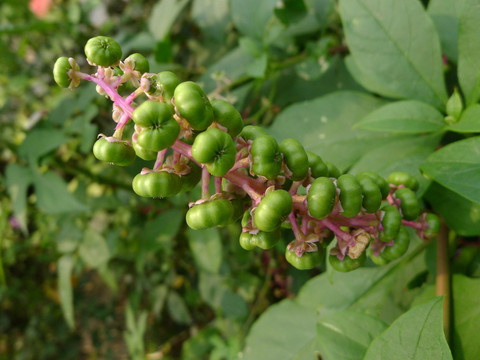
190, 139
411, 139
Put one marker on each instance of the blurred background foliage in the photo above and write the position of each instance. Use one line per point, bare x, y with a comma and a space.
89, 270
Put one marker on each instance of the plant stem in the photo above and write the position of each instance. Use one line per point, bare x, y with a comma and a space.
443, 287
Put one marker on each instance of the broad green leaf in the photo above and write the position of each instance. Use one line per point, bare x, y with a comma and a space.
409, 116
206, 247
53, 196
347, 334
466, 310
212, 17
409, 63
457, 167
65, 291
282, 332
416, 335
217, 292
444, 14
469, 121
178, 309
469, 50
296, 87
94, 250
324, 126
324, 10
460, 214
163, 16
18, 179
40, 142
406, 154
251, 17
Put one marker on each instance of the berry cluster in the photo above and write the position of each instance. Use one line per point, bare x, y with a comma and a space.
268, 185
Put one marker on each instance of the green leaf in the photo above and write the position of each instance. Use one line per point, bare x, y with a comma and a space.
94, 250
457, 167
206, 247
163, 15
409, 64
347, 334
469, 50
177, 309
460, 214
466, 305
65, 291
406, 154
409, 116
283, 331
444, 14
469, 121
417, 334
40, 142
212, 17
18, 179
53, 196
251, 17
324, 126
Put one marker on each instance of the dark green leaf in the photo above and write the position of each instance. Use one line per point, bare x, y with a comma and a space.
251, 17
409, 64
94, 250
324, 126
469, 50
178, 309
206, 247
65, 291
444, 14
347, 334
163, 16
466, 309
283, 332
409, 116
469, 121
18, 179
460, 214
417, 334
457, 167
53, 196
40, 142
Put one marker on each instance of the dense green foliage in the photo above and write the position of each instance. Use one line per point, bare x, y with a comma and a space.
89, 269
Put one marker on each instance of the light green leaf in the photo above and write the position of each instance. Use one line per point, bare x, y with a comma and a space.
18, 179
163, 16
347, 334
409, 63
324, 126
206, 247
409, 116
444, 14
469, 50
65, 291
53, 196
406, 154
460, 214
416, 335
469, 121
94, 250
251, 17
457, 167
466, 306
178, 309
282, 332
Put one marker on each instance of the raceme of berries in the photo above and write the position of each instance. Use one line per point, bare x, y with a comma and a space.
264, 184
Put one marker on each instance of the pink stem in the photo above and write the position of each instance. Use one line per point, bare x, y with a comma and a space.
160, 158
205, 183
413, 224
299, 236
218, 184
